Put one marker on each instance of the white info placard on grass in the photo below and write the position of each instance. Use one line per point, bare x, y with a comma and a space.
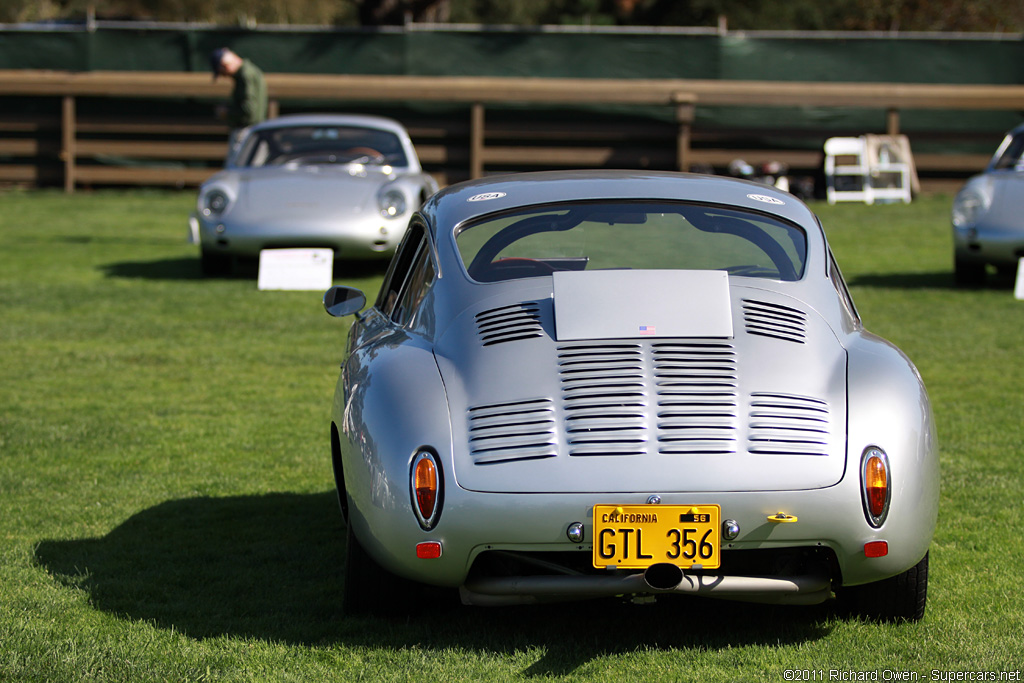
1018, 290
296, 269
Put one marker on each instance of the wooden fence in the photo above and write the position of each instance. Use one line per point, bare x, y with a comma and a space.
72, 148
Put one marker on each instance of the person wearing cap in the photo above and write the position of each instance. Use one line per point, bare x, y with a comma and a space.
248, 103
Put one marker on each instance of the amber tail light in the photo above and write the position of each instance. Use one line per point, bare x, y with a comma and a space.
876, 485
426, 487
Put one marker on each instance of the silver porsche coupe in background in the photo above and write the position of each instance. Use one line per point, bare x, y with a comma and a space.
345, 182
593, 384
988, 215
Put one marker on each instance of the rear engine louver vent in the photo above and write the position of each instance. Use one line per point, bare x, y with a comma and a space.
604, 399
775, 320
696, 386
517, 430
784, 424
509, 323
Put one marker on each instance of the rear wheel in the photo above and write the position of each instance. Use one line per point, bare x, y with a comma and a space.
370, 589
967, 273
898, 598
1007, 274
364, 578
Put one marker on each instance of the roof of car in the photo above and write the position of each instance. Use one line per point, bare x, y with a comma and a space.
463, 201
366, 120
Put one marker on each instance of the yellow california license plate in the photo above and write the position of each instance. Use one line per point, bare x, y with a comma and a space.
637, 536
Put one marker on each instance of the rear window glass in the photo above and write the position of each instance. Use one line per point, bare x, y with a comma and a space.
537, 241
308, 145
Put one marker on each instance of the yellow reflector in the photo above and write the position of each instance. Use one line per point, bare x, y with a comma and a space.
876, 485
425, 484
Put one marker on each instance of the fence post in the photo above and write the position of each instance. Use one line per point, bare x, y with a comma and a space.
892, 121
67, 145
476, 141
686, 105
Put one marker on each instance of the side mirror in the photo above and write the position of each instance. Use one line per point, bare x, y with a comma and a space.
340, 301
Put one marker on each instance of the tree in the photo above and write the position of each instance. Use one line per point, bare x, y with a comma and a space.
745, 15
382, 12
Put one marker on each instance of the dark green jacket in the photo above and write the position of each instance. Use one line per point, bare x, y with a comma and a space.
249, 96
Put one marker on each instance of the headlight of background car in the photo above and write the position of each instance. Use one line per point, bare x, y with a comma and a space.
971, 203
392, 204
215, 202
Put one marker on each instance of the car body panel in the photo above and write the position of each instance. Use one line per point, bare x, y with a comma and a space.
659, 414
770, 418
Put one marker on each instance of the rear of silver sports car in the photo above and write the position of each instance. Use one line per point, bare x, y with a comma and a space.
778, 460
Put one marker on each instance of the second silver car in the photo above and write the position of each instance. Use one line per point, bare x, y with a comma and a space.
346, 182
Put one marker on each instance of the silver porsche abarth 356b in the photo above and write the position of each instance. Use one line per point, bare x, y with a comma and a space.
987, 225
345, 182
591, 384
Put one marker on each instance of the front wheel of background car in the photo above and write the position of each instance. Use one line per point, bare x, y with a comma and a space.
214, 264
1008, 274
898, 598
967, 273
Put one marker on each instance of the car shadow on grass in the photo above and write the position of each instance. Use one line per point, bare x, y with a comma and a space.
933, 280
936, 280
270, 567
190, 269
161, 269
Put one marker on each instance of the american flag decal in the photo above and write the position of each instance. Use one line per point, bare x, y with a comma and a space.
648, 329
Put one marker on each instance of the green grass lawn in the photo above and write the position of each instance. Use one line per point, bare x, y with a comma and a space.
166, 503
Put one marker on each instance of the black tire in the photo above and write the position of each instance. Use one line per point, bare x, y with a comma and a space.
213, 264
370, 589
968, 273
1007, 275
898, 598
339, 473
363, 578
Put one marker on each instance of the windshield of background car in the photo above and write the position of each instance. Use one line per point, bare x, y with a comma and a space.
309, 145
537, 241
1012, 153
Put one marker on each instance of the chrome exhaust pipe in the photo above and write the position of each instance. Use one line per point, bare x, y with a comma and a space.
663, 576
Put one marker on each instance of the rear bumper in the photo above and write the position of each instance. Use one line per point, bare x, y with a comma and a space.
532, 528
808, 589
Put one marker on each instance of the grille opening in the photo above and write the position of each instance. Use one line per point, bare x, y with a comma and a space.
509, 323
786, 424
774, 320
624, 372
604, 399
511, 431
518, 423
589, 430
518, 458
521, 447
696, 393
605, 402
522, 406
602, 388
